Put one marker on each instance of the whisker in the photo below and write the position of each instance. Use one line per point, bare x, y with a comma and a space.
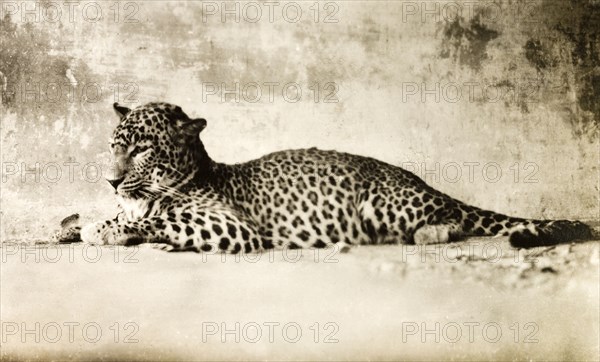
169, 189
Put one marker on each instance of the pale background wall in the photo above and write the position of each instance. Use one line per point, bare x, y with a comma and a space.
542, 56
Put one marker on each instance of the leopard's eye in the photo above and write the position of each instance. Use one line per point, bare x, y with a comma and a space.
137, 150
134, 152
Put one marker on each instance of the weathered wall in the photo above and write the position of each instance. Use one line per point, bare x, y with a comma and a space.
460, 90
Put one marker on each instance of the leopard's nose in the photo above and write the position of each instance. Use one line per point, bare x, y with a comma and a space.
115, 183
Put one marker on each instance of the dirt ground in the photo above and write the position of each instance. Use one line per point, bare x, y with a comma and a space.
473, 300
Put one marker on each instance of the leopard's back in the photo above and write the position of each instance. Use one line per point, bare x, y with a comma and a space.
313, 198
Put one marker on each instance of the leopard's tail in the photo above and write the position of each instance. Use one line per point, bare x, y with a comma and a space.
522, 233
548, 232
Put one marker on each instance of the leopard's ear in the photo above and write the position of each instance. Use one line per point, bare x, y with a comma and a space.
120, 110
191, 127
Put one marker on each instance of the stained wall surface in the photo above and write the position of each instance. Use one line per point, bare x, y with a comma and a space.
496, 103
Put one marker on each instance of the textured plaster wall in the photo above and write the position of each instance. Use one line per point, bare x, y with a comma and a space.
461, 90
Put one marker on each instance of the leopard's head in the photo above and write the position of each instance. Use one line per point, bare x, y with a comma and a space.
155, 148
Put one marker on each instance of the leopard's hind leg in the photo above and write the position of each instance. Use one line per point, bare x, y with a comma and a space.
410, 215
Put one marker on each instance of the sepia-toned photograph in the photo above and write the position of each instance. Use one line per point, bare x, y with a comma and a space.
302, 180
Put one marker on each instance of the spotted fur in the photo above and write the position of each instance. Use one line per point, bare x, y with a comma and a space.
172, 192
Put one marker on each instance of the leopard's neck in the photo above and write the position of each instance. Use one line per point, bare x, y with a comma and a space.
219, 176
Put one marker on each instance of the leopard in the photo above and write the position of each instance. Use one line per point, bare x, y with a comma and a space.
172, 193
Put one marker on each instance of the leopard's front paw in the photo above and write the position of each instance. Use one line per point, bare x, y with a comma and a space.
98, 233
69, 231
92, 233
67, 235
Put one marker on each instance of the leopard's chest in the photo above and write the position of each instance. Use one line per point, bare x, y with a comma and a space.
135, 209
